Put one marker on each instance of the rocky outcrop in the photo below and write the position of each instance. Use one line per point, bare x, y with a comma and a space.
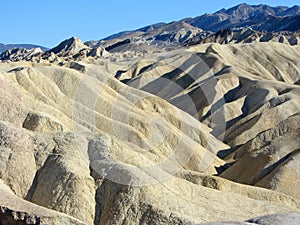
16, 211
18, 54
42, 123
17, 159
69, 47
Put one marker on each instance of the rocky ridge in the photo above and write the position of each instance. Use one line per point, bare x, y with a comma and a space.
246, 35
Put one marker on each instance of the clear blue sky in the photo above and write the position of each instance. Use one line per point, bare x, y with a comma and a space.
48, 22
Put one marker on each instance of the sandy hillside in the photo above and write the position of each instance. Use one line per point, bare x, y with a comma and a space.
195, 135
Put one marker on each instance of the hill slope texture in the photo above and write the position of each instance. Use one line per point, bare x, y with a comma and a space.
130, 130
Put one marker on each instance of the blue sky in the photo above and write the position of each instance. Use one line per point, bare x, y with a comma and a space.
49, 22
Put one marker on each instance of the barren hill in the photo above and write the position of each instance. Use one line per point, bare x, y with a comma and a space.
103, 152
155, 126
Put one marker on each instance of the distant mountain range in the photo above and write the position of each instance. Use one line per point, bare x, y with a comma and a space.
241, 24
261, 18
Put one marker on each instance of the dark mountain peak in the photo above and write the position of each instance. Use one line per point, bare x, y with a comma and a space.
295, 10
240, 7
245, 11
221, 10
152, 27
295, 7
257, 8
244, 15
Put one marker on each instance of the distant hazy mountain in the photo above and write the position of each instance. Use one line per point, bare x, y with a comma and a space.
241, 24
156, 35
4, 47
144, 29
260, 17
